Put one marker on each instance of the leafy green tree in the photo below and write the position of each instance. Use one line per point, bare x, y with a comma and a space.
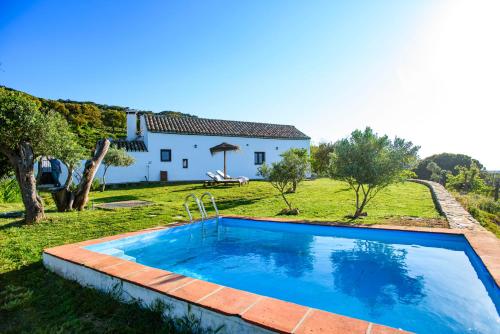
445, 161
467, 180
115, 119
297, 161
66, 148
492, 179
281, 176
115, 157
25, 135
369, 163
320, 158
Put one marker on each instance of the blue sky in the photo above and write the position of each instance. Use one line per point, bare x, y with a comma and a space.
416, 69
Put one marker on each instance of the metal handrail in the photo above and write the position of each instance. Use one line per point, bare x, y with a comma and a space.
212, 199
200, 207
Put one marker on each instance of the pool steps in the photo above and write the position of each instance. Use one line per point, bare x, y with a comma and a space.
118, 253
200, 205
212, 199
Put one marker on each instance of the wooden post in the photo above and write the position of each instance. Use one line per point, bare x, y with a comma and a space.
225, 172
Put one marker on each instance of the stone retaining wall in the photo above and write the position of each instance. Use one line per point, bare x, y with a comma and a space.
448, 206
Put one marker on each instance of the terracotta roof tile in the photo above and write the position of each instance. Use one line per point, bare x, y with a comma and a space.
215, 127
131, 145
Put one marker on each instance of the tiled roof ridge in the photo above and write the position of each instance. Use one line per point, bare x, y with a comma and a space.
214, 127
220, 120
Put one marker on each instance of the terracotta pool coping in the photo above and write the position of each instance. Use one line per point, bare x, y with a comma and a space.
266, 312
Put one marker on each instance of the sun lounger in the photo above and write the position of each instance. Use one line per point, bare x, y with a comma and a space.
244, 178
217, 179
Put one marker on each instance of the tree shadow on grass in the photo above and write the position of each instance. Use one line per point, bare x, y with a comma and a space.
236, 202
343, 190
32, 299
17, 223
193, 188
119, 198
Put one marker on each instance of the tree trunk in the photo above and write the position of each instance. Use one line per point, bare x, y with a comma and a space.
23, 162
282, 192
91, 166
64, 199
103, 186
360, 207
69, 178
39, 171
67, 200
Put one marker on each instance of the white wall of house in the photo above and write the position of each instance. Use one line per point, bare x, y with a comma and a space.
195, 148
148, 165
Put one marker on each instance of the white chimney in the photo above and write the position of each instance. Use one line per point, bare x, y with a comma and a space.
131, 124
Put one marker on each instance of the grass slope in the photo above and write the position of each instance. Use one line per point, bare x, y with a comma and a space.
35, 300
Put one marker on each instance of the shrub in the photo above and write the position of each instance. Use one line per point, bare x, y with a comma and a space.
408, 174
445, 161
467, 180
489, 205
96, 185
485, 210
9, 191
115, 157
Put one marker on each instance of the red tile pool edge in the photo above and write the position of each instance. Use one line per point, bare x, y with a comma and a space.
266, 312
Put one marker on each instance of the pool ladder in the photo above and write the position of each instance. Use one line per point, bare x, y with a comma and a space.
200, 205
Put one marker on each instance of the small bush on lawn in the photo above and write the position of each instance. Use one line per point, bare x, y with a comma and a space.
289, 212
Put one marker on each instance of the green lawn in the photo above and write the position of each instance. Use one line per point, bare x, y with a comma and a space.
34, 300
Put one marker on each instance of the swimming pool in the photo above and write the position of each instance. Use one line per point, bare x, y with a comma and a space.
421, 282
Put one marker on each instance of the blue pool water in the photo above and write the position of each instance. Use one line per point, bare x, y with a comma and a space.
421, 282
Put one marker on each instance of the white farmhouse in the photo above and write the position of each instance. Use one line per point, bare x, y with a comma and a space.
178, 148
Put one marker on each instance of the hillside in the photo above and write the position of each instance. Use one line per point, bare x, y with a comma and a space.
92, 121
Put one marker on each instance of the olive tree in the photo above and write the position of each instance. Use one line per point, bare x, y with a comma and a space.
281, 178
320, 156
369, 163
297, 160
67, 198
26, 134
115, 157
286, 174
